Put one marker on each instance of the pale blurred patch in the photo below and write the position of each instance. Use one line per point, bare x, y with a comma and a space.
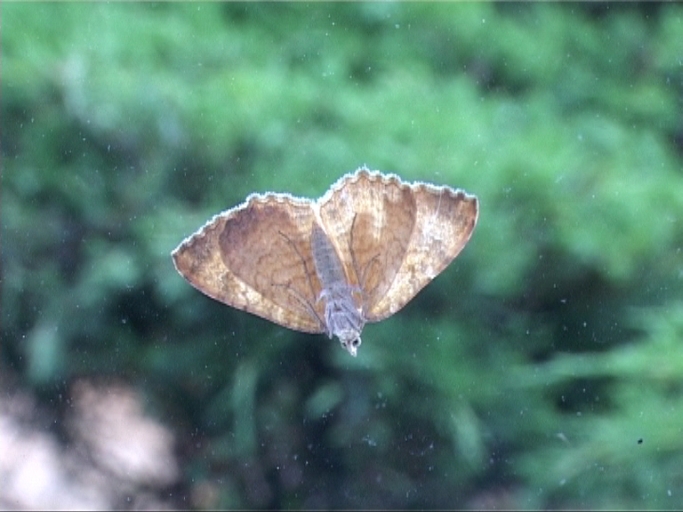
116, 457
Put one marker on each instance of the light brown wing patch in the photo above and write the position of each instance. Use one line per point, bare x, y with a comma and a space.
395, 236
257, 257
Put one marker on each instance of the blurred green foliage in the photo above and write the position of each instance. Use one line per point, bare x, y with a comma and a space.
523, 377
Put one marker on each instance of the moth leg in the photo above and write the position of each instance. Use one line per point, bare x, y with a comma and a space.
360, 273
297, 295
305, 303
303, 261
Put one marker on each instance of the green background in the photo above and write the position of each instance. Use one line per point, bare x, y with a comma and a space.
524, 376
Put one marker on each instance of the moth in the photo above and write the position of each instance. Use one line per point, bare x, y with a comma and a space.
356, 255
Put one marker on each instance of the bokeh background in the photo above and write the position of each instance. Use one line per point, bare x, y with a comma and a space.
542, 369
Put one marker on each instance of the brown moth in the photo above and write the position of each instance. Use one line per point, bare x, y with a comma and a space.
356, 255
